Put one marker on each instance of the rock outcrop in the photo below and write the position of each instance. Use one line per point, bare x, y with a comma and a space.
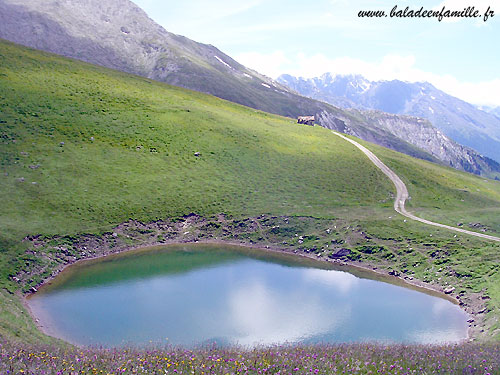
455, 120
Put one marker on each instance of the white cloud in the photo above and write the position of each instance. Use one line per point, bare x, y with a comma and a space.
391, 67
271, 64
479, 93
222, 9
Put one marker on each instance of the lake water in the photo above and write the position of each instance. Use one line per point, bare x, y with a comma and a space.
203, 294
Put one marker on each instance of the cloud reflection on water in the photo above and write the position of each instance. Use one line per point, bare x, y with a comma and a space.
260, 314
248, 302
343, 282
435, 336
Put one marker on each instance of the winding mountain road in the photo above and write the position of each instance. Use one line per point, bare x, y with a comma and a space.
402, 193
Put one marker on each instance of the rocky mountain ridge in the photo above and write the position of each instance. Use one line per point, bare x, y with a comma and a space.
119, 35
459, 120
422, 135
495, 111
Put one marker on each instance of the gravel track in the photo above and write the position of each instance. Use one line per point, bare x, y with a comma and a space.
402, 193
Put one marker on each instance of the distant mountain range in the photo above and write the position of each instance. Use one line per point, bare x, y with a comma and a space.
459, 120
493, 110
119, 35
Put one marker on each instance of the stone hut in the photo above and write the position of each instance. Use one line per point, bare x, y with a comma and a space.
306, 120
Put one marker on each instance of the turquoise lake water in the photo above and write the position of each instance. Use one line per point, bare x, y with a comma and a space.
204, 294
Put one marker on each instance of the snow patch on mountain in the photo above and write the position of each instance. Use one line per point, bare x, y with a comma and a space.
223, 62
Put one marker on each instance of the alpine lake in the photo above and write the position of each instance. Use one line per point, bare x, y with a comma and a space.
210, 294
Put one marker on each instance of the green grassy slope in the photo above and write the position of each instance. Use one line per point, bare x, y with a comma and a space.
129, 146
446, 195
83, 148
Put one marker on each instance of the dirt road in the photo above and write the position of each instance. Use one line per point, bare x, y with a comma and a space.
402, 193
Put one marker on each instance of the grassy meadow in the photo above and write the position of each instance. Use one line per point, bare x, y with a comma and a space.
84, 149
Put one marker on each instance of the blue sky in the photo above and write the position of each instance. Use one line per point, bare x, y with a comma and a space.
309, 38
